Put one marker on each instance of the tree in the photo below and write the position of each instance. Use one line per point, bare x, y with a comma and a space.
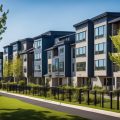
115, 57
7, 69
17, 68
3, 18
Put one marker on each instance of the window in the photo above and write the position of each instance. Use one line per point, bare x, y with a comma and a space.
73, 67
81, 66
49, 67
55, 65
49, 55
100, 48
61, 51
15, 47
37, 68
80, 51
100, 64
25, 69
61, 66
5, 50
37, 56
100, 31
73, 52
25, 57
24, 46
38, 44
81, 36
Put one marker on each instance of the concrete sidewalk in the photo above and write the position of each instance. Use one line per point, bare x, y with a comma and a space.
91, 113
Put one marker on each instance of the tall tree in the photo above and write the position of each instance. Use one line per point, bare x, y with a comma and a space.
7, 69
3, 18
115, 57
17, 68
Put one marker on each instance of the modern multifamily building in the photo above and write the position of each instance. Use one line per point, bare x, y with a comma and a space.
23, 49
77, 58
59, 61
41, 43
1, 65
84, 46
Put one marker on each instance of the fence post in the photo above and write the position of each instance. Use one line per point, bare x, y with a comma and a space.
80, 96
118, 95
111, 100
63, 94
58, 92
88, 92
102, 99
95, 97
70, 91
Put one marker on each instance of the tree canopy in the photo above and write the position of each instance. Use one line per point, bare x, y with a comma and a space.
115, 57
3, 19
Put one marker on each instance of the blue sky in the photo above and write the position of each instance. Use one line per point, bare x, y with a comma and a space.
28, 18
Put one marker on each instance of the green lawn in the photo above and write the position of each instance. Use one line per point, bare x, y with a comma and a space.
13, 109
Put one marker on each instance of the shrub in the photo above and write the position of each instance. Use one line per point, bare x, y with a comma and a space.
22, 83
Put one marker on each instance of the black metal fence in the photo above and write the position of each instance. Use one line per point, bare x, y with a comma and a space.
110, 100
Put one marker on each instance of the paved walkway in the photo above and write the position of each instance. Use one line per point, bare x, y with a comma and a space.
93, 114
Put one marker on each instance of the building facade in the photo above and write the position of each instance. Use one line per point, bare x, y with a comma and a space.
41, 43
59, 61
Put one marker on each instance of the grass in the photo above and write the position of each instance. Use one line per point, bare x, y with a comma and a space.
74, 102
13, 109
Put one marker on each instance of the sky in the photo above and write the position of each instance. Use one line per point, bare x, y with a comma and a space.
29, 18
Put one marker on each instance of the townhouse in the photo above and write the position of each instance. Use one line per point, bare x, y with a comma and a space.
41, 43
1, 65
59, 61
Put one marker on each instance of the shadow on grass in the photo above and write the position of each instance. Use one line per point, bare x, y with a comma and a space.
24, 114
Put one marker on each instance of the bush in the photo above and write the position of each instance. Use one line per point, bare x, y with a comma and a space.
33, 85
22, 83
91, 98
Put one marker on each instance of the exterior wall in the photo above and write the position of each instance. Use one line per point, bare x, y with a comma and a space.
101, 40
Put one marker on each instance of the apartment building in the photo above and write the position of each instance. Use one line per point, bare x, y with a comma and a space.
21, 48
1, 65
59, 61
27, 56
115, 23
103, 46
41, 43
84, 47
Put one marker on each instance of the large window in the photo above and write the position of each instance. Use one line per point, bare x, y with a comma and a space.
100, 64
61, 51
37, 68
49, 54
80, 51
81, 66
38, 44
81, 36
37, 56
61, 66
100, 48
55, 65
100, 31
15, 47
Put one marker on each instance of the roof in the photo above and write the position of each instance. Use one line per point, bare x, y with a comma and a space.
51, 32
106, 14
115, 20
81, 23
66, 35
